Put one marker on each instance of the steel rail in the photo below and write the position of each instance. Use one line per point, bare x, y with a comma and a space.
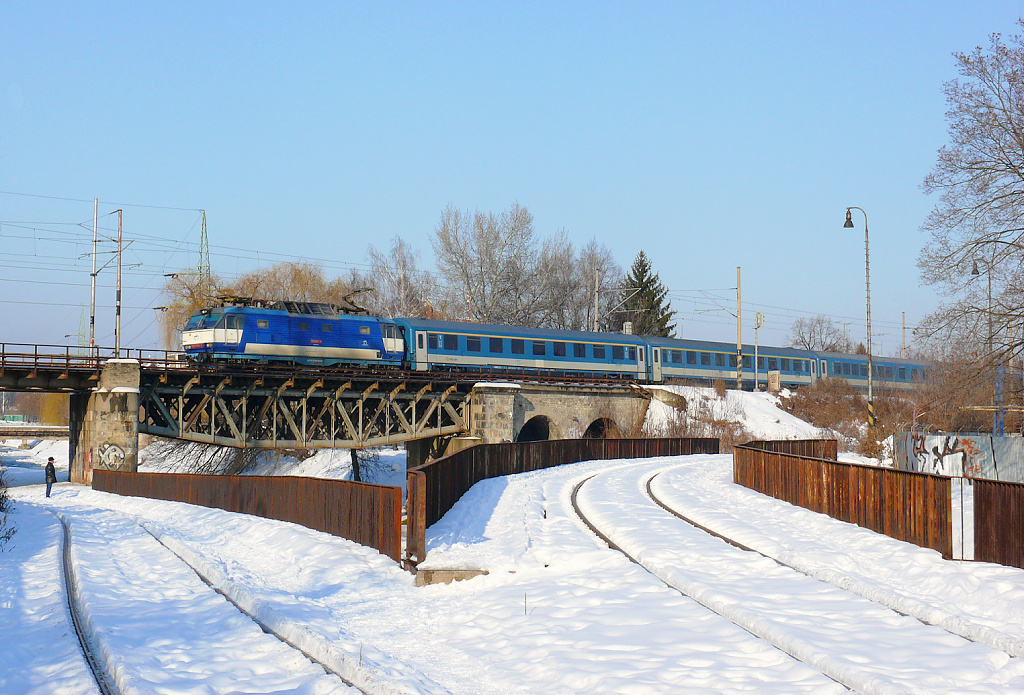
262, 625
100, 674
611, 544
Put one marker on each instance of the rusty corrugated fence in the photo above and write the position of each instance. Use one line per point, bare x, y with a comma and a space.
815, 448
435, 487
909, 506
362, 512
999, 522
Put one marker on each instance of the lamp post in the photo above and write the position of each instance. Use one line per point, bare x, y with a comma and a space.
991, 355
867, 282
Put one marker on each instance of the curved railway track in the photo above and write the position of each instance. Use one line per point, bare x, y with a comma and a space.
97, 666
741, 589
104, 682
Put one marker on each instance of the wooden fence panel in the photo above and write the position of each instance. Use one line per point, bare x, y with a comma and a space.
999, 522
912, 507
367, 514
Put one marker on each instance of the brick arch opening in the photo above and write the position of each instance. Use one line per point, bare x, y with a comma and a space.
536, 429
602, 428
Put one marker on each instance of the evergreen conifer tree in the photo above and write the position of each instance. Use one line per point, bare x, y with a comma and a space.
646, 302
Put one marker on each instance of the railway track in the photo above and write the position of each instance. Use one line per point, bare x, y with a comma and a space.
104, 682
862, 645
101, 670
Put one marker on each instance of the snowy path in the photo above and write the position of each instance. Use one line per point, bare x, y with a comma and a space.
39, 653
865, 646
169, 632
983, 602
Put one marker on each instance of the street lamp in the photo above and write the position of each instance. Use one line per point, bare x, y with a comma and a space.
867, 281
991, 353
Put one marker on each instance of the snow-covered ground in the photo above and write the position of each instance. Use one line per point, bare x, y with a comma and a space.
558, 611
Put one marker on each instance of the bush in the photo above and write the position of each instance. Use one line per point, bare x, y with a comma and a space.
6, 531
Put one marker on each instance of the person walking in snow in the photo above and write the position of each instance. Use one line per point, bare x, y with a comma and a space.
51, 475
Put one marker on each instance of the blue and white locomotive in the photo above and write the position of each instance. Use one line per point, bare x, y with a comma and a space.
322, 334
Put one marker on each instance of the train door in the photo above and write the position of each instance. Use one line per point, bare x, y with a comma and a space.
421, 350
232, 326
641, 363
392, 338
824, 369
655, 364
813, 364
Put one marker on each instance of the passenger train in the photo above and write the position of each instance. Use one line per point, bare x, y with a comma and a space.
321, 334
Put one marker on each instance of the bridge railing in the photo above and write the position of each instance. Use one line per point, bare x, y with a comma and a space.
76, 357
362, 512
909, 506
436, 486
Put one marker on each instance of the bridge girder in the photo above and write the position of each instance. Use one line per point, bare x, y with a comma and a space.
302, 413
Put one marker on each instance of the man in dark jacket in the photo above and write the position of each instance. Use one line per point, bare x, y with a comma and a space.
51, 476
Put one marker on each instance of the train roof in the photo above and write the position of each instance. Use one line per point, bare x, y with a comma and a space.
522, 332
874, 358
715, 346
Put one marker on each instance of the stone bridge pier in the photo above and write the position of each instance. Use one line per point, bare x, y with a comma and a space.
103, 427
532, 412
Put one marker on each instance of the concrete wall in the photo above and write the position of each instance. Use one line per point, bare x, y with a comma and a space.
508, 412
104, 423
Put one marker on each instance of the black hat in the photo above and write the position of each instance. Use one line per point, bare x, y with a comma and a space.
50, 459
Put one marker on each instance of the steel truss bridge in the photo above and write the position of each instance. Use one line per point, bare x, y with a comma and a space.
258, 406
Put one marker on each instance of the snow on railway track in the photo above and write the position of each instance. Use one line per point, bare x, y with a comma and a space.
156, 628
980, 602
865, 646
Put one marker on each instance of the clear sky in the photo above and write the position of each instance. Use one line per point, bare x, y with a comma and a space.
711, 135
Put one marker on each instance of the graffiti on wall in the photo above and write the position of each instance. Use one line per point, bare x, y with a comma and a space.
947, 454
111, 456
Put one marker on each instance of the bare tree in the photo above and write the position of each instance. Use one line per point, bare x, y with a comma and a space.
7, 530
399, 287
496, 270
818, 333
977, 225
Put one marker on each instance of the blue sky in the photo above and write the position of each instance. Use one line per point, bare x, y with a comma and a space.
711, 135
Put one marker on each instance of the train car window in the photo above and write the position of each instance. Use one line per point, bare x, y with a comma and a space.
773, 363
889, 372
327, 328
798, 366
303, 325
579, 349
539, 347
785, 364
732, 360
705, 359
419, 339
677, 357
618, 353
496, 345
837, 368
863, 370
913, 374
364, 330
451, 342
262, 323
903, 373
632, 354
760, 363
748, 361
432, 341
559, 349
719, 359
473, 343
599, 352
691, 357
518, 347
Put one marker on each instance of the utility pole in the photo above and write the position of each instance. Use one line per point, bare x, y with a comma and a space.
596, 294
92, 303
758, 323
739, 334
117, 301
903, 350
